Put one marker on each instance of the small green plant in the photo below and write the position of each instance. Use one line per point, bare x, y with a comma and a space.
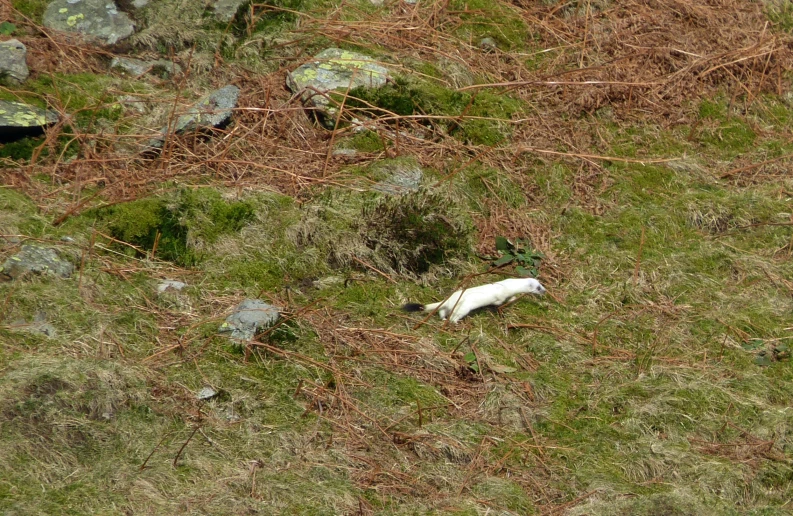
7, 28
527, 259
470, 359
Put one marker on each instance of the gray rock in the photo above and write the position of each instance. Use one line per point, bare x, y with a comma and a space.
459, 74
170, 285
488, 44
225, 10
161, 67
13, 67
213, 110
139, 4
334, 69
328, 282
249, 318
39, 326
95, 19
36, 260
345, 153
206, 393
403, 178
17, 118
36, 328
129, 101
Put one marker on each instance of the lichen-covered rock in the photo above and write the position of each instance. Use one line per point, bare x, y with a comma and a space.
36, 260
249, 318
225, 10
17, 119
160, 67
95, 19
213, 110
403, 178
13, 67
334, 69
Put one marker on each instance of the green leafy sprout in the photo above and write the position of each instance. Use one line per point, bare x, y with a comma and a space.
521, 253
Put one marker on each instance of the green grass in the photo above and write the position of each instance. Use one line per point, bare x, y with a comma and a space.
485, 116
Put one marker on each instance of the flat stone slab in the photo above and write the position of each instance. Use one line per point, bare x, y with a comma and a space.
249, 318
18, 119
213, 110
95, 19
33, 259
13, 64
138, 67
334, 69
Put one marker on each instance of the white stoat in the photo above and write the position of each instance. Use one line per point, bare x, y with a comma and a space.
462, 302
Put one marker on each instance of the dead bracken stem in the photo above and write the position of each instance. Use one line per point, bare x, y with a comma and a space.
179, 453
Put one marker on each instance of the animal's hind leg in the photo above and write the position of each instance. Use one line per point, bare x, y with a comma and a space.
459, 312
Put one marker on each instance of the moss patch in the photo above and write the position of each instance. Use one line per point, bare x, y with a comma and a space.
180, 225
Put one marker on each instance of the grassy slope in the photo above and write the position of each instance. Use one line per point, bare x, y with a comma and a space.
636, 391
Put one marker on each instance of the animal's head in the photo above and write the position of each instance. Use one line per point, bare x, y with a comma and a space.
533, 286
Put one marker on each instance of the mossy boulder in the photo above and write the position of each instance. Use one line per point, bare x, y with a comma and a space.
334, 69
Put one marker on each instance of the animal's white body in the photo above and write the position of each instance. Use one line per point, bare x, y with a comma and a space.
462, 302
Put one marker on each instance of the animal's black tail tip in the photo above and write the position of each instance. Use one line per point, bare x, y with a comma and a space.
412, 307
